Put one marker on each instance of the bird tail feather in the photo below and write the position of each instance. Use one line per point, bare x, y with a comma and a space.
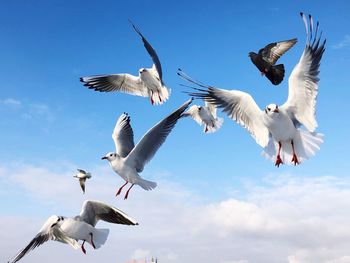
147, 185
276, 74
162, 96
306, 144
216, 125
99, 237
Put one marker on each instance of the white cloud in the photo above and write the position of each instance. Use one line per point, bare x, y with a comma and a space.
10, 102
343, 43
290, 219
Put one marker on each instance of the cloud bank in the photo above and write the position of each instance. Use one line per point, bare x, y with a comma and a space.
288, 219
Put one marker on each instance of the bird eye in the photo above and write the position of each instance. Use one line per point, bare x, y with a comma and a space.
268, 109
111, 155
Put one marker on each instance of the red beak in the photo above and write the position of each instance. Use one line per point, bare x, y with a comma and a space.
276, 110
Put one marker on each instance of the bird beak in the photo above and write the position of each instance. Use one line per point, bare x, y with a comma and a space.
276, 110
104, 158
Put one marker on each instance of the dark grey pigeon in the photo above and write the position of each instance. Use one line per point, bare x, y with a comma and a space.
266, 58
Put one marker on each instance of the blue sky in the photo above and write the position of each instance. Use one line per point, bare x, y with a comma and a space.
49, 121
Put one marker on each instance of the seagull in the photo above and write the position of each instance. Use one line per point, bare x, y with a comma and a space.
266, 58
82, 176
129, 160
148, 83
276, 128
205, 115
81, 227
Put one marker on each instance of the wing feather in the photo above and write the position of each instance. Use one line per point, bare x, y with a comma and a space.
272, 52
92, 211
151, 52
303, 83
125, 83
123, 136
240, 107
154, 138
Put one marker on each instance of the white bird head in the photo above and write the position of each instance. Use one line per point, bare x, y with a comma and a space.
142, 70
109, 156
272, 110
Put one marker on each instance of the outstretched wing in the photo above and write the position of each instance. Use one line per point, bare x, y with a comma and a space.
303, 81
92, 211
151, 52
154, 138
123, 136
273, 51
116, 82
240, 107
49, 231
81, 171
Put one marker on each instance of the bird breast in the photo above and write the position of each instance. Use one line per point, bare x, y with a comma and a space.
205, 115
78, 230
151, 79
280, 126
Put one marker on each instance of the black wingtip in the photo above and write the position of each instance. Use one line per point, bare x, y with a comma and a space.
81, 79
179, 69
301, 14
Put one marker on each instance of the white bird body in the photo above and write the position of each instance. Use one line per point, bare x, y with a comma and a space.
276, 129
81, 227
80, 230
205, 115
129, 160
279, 125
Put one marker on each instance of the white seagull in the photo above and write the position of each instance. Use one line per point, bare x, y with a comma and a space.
276, 128
205, 115
81, 227
148, 83
129, 160
82, 176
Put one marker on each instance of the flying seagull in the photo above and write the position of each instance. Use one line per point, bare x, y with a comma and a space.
205, 115
149, 82
129, 160
81, 227
276, 128
82, 176
266, 58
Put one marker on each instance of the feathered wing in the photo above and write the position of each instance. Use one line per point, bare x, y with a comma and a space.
123, 136
212, 108
151, 52
81, 171
92, 211
240, 107
116, 82
272, 52
154, 138
46, 233
303, 83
